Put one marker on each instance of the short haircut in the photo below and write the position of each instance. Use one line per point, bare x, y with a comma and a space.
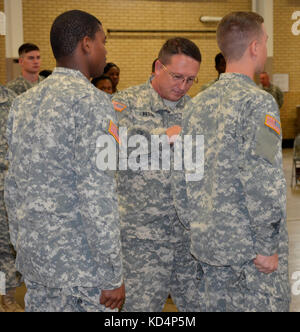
100, 78
109, 66
176, 46
236, 31
69, 29
26, 48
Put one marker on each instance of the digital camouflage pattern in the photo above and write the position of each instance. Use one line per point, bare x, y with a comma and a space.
7, 256
238, 209
64, 209
39, 298
153, 206
21, 85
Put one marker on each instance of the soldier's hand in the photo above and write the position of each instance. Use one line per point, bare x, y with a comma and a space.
266, 264
113, 298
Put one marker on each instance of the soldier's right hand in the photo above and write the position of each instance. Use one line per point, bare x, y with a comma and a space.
113, 298
266, 264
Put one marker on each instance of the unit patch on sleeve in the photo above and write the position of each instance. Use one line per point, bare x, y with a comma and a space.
273, 124
119, 107
114, 131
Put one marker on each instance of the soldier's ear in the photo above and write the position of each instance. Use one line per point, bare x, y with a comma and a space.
253, 48
86, 45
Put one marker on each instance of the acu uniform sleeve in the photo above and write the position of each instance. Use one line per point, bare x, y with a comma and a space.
262, 176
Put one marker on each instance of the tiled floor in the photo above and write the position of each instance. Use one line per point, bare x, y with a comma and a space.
293, 220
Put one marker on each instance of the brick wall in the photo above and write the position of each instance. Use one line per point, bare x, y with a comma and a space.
134, 53
286, 60
2, 51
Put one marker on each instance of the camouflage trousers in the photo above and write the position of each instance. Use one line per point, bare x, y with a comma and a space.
245, 290
154, 269
7, 255
77, 299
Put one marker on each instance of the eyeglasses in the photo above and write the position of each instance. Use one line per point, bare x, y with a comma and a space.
180, 78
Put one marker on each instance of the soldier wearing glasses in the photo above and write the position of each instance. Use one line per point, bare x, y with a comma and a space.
155, 231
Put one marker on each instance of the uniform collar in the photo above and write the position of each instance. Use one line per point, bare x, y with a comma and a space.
235, 76
70, 72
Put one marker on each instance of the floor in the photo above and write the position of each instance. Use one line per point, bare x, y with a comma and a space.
293, 221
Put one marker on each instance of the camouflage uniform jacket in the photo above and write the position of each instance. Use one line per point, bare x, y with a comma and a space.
21, 85
146, 198
6, 99
238, 209
62, 209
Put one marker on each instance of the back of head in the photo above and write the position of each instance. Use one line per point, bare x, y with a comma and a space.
69, 29
176, 46
236, 31
26, 48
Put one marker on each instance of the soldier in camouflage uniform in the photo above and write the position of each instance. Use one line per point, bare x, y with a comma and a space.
62, 208
238, 212
30, 62
7, 255
271, 88
155, 231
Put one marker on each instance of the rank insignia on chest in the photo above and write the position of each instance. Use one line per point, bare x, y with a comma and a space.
273, 124
119, 107
114, 131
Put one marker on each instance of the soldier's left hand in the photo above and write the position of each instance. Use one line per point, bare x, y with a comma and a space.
113, 298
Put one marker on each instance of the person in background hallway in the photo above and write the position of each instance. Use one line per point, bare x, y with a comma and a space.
154, 225
271, 88
7, 255
30, 62
62, 208
113, 71
220, 67
238, 208
103, 83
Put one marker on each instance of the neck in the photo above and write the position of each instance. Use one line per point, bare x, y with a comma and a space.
155, 86
73, 64
241, 67
31, 77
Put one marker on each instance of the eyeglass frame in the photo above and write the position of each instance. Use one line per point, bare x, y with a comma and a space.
179, 77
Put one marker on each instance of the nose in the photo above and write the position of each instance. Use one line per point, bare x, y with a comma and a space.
183, 85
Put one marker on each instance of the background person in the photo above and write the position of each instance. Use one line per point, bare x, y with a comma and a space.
271, 88
30, 63
113, 71
220, 65
103, 83
7, 254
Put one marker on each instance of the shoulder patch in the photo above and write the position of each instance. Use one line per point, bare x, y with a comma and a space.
119, 107
273, 124
114, 131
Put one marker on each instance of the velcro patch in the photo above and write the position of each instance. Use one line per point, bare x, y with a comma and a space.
114, 131
273, 124
119, 107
